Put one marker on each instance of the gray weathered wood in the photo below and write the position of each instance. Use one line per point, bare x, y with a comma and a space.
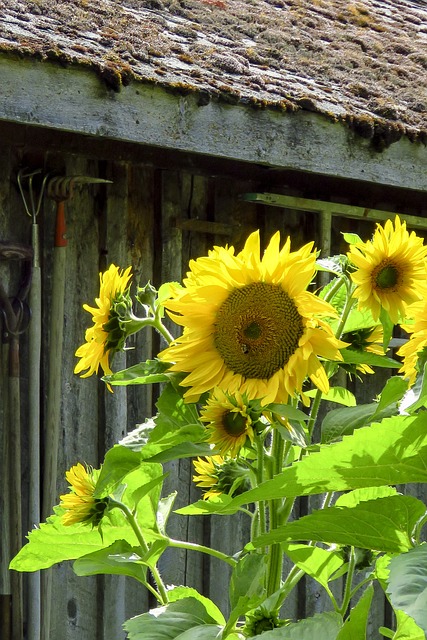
146, 114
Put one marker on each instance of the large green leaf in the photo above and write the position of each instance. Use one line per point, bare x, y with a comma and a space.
355, 626
318, 563
340, 395
322, 626
407, 629
118, 559
407, 584
248, 579
393, 392
179, 593
352, 356
171, 621
384, 524
118, 462
343, 421
391, 452
147, 372
54, 542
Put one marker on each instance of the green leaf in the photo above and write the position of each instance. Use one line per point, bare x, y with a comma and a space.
385, 524
171, 621
138, 437
416, 396
352, 498
352, 356
407, 584
407, 629
203, 632
146, 488
54, 542
118, 462
343, 421
393, 392
391, 452
318, 563
248, 579
334, 264
351, 238
118, 559
164, 509
340, 395
322, 626
286, 411
178, 593
174, 410
355, 626
147, 372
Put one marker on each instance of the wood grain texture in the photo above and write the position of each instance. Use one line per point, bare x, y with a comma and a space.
147, 114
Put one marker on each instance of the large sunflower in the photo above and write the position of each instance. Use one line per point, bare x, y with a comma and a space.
417, 343
250, 325
79, 503
105, 336
390, 271
229, 422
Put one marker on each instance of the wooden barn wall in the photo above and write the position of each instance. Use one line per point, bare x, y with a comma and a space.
153, 220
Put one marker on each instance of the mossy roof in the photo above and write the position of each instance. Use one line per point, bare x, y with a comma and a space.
362, 62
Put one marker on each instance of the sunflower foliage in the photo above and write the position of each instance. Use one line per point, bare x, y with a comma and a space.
256, 376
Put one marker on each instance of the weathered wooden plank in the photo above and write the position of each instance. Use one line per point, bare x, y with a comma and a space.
73, 600
149, 115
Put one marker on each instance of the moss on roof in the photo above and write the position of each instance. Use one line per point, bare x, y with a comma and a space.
361, 62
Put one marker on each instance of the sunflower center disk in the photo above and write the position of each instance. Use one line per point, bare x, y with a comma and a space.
234, 423
387, 276
257, 330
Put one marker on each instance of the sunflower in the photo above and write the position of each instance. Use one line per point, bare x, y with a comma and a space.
207, 475
390, 270
412, 350
369, 339
79, 503
221, 476
106, 335
229, 422
250, 325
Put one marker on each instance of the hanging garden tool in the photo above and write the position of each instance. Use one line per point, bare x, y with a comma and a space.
59, 189
32, 205
15, 315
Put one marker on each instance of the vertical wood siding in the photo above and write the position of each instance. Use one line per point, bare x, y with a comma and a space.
147, 218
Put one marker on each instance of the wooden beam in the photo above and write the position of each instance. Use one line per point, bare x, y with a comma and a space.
332, 208
75, 99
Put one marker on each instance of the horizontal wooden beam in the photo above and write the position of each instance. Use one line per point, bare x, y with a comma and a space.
75, 99
332, 208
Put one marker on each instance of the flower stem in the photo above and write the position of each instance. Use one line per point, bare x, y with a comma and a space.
348, 584
260, 520
161, 594
192, 546
275, 558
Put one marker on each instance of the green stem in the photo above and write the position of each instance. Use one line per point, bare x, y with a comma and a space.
260, 520
275, 559
345, 313
313, 416
160, 327
192, 546
348, 584
332, 291
161, 595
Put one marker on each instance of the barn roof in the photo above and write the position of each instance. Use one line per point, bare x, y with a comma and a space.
362, 62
